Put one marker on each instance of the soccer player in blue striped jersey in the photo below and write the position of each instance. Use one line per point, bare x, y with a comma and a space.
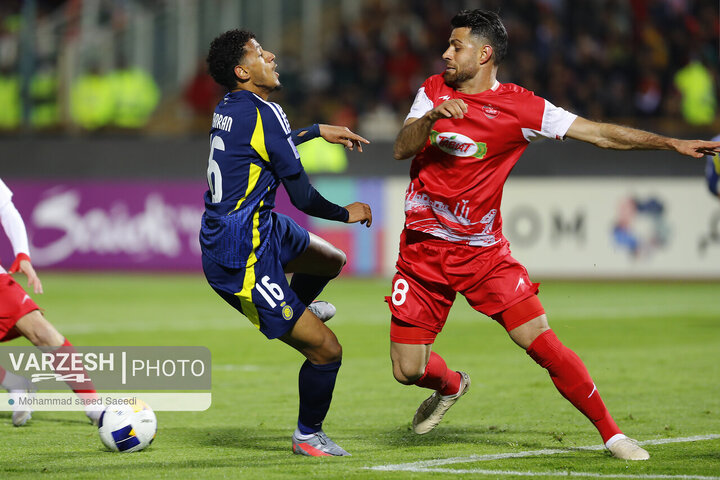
247, 248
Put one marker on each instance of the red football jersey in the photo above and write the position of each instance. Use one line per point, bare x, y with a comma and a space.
456, 180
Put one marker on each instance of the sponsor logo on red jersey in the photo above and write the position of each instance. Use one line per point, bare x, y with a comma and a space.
458, 144
490, 111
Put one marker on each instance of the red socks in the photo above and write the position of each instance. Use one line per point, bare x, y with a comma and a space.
83, 389
438, 377
573, 381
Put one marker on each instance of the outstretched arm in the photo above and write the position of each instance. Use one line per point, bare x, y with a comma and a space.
308, 200
280, 148
331, 133
15, 229
608, 135
415, 132
342, 135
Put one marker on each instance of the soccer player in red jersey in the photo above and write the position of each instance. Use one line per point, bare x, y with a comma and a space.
20, 315
465, 131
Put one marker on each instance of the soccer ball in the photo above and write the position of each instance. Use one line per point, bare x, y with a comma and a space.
127, 427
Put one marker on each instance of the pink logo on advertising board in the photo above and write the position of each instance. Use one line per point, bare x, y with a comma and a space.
125, 225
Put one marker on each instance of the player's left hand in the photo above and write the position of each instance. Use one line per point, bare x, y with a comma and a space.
343, 136
697, 148
23, 265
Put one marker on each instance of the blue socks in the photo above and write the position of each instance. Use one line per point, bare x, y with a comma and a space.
316, 384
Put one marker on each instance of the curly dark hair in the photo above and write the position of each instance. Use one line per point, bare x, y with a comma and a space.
226, 52
486, 24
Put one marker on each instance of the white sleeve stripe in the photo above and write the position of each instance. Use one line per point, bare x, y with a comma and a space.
274, 107
293, 147
279, 115
555, 123
421, 105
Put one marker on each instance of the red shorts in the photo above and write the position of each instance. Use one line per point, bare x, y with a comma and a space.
430, 271
14, 304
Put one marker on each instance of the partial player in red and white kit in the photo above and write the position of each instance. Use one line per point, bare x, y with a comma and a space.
20, 315
466, 131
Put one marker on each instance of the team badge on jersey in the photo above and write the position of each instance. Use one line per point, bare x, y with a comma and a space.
287, 312
490, 111
458, 144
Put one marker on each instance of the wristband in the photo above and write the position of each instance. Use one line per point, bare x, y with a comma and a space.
16, 264
310, 132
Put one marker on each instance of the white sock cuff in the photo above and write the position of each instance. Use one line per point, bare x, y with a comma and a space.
613, 439
14, 382
301, 436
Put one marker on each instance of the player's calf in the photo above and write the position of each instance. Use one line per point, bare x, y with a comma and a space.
41, 333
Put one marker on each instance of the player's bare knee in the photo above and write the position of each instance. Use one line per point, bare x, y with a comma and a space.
335, 354
338, 261
330, 352
405, 379
334, 351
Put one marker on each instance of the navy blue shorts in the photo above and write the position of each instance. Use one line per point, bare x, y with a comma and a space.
261, 291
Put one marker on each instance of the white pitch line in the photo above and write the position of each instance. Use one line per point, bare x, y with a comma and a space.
425, 465
563, 474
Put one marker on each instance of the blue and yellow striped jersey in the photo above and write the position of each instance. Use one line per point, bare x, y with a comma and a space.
250, 151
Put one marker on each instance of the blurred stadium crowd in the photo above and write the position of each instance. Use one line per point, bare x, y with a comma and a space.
648, 63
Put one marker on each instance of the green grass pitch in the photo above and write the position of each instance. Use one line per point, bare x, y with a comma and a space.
653, 350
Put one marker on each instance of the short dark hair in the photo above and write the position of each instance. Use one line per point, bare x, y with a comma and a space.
226, 52
486, 24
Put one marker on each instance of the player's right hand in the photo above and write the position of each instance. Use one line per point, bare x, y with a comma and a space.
359, 212
696, 148
343, 136
26, 267
453, 108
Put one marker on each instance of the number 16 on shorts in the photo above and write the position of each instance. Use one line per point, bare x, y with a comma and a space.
273, 294
273, 288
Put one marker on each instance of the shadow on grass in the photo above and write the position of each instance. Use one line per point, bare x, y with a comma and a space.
490, 436
243, 437
250, 448
47, 417
214, 447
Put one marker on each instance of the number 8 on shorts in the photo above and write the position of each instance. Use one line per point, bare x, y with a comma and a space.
399, 293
